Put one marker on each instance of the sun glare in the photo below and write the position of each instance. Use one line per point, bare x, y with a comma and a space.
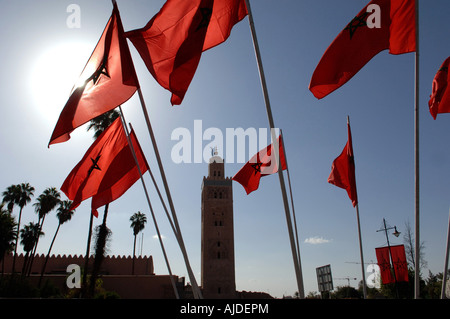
55, 73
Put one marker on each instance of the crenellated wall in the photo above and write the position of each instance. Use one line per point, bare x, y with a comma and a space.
111, 265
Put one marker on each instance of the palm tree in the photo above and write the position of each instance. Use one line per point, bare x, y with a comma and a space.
99, 124
18, 195
28, 236
10, 196
45, 203
64, 214
8, 232
138, 221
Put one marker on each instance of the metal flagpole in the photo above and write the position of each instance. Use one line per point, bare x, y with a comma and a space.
361, 253
195, 288
292, 200
416, 162
359, 236
149, 203
444, 277
276, 149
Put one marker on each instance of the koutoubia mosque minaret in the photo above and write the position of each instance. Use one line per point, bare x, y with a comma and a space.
217, 251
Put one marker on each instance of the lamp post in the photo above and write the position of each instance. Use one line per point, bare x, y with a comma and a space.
396, 233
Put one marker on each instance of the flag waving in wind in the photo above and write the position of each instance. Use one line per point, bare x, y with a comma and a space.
343, 170
107, 170
108, 80
261, 164
381, 25
172, 42
440, 97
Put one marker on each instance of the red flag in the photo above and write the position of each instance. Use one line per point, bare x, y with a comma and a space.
440, 97
107, 170
400, 264
384, 263
362, 39
343, 170
108, 80
172, 42
259, 165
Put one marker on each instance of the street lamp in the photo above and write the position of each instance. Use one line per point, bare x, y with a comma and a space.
396, 233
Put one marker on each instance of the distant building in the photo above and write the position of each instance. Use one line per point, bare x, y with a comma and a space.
217, 242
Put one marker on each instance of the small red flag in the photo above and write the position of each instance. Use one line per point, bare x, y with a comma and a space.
343, 170
440, 97
107, 170
400, 263
261, 164
381, 25
108, 80
172, 42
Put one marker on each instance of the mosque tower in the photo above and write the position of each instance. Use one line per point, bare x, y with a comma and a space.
217, 251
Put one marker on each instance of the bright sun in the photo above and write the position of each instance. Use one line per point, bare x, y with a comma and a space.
56, 71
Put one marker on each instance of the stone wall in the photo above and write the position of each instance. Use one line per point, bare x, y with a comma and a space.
111, 265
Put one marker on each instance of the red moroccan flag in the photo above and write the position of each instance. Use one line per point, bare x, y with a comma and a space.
384, 263
108, 80
107, 170
261, 164
400, 263
362, 39
440, 97
172, 42
343, 170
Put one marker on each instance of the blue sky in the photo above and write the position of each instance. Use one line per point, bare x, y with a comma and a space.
42, 57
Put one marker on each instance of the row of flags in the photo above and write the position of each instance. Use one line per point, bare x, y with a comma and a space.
172, 42
171, 45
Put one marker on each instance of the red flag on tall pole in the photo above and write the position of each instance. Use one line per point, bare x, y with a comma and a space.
107, 81
440, 97
261, 164
107, 170
172, 42
343, 170
381, 25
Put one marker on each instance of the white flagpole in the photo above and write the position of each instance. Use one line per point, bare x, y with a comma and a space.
195, 288
444, 277
361, 254
276, 149
149, 203
292, 200
416, 162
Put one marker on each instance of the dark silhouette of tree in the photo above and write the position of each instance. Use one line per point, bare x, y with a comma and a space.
8, 232
45, 203
28, 236
64, 214
138, 221
19, 195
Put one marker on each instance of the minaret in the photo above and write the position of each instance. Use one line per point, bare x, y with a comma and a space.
218, 274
